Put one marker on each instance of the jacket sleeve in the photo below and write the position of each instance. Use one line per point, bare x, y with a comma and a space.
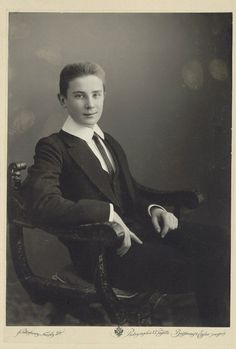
43, 196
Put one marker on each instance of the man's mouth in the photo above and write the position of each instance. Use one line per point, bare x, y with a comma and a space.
89, 114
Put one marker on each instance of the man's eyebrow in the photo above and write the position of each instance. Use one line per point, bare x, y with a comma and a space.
83, 92
74, 92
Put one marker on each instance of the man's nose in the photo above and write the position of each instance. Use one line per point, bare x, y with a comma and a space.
89, 102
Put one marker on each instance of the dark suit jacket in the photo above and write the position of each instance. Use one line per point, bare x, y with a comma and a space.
66, 186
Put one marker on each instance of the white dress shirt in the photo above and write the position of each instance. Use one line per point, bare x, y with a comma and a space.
86, 133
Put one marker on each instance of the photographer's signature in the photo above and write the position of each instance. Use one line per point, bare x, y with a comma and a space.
159, 332
49, 334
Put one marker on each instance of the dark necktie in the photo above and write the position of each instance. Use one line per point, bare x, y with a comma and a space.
103, 154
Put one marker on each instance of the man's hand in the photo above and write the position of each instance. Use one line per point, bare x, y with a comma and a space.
121, 251
163, 221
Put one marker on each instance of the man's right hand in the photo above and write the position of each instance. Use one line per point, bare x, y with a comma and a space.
129, 235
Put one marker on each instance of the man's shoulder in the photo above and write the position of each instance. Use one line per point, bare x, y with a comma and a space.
112, 140
50, 138
54, 138
50, 143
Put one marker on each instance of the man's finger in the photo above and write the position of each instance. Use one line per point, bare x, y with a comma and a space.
165, 227
156, 224
122, 250
135, 238
174, 222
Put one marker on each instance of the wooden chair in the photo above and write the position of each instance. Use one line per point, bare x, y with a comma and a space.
67, 290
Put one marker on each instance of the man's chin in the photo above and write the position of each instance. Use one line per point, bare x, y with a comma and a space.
90, 123
91, 120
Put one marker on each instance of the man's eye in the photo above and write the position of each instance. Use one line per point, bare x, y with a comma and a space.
79, 96
97, 94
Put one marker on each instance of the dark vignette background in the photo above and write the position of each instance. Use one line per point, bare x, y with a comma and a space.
168, 103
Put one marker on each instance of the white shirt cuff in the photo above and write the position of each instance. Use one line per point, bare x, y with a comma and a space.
154, 205
111, 215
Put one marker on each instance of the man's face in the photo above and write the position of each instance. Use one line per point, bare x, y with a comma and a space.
84, 101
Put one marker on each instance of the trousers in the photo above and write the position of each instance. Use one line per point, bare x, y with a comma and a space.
193, 258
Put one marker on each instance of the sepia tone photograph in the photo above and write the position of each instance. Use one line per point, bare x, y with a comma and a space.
119, 169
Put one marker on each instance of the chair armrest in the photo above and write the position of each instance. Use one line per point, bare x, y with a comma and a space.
181, 198
107, 233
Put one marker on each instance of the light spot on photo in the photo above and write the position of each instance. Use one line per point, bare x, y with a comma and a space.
192, 74
218, 69
49, 55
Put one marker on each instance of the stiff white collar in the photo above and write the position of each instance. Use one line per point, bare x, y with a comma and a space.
80, 131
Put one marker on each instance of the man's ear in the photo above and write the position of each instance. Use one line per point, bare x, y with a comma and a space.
61, 99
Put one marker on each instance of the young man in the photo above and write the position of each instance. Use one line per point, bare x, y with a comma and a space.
81, 175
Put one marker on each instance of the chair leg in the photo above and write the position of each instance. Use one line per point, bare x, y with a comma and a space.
108, 298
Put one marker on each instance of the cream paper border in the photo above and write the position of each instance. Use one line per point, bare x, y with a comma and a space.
102, 337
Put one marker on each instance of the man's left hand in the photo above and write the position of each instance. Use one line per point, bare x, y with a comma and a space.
163, 221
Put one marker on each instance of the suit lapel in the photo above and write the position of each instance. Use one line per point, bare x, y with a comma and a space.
88, 162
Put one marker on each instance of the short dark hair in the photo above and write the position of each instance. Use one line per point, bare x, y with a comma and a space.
75, 70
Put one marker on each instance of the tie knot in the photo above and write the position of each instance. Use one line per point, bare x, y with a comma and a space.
95, 136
